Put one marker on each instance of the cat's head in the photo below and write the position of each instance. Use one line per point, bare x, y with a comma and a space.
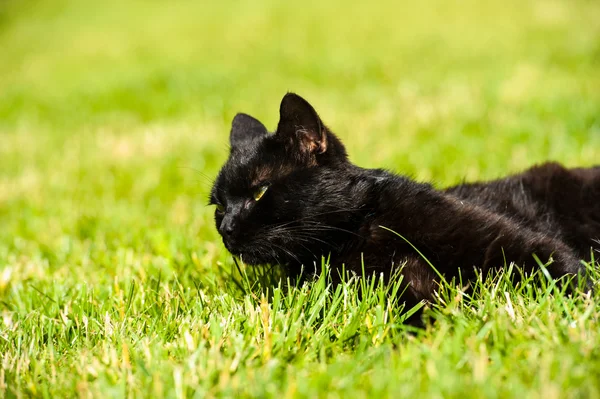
274, 183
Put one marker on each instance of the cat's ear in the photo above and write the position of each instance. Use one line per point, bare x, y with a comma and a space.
300, 126
244, 129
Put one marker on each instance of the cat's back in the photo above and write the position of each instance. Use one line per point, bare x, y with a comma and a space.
549, 198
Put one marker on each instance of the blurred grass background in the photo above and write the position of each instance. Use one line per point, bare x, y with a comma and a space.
114, 115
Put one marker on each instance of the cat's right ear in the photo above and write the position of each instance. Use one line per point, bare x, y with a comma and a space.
245, 129
300, 126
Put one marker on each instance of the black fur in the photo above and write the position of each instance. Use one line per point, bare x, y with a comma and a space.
319, 204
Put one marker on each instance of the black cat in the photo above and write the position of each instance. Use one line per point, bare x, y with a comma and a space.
293, 197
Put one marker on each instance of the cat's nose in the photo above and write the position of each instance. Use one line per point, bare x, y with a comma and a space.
228, 230
227, 227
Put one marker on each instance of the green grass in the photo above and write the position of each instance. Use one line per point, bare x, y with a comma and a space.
114, 118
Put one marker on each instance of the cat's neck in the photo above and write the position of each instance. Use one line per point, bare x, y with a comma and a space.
353, 203
370, 192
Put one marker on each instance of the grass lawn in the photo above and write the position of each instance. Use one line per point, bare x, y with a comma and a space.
114, 118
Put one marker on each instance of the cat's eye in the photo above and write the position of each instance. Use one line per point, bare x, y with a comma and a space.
259, 192
220, 208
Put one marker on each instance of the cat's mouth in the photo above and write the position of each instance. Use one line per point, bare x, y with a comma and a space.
250, 258
254, 256
247, 256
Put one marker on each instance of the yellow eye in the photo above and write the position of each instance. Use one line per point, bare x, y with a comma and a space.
220, 208
258, 194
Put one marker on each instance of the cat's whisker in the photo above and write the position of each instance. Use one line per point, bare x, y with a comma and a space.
204, 179
312, 239
308, 218
319, 227
283, 235
286, 251
308, 250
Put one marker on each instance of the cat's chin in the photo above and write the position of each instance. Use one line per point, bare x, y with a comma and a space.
258, 257
250, 259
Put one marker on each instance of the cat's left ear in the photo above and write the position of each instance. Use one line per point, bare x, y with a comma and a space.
244, 129
300, 125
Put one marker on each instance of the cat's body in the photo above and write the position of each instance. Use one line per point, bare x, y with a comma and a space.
293, 197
